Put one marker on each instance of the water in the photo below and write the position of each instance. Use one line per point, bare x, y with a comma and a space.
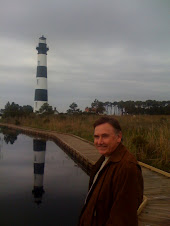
39, 183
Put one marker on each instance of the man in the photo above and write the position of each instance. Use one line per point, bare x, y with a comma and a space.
116, 183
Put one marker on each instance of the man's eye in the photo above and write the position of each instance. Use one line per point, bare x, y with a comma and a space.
105, 136
96, 137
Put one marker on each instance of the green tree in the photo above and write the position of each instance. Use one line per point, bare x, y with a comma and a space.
99, 106
73, 108
27, 109
46, 109
12, 110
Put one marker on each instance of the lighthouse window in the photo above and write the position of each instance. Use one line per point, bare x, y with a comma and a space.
38, 62
36, 104
37, 81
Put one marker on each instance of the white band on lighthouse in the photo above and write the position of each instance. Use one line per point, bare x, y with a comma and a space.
38, 104
41, 83
39, 156
42, 60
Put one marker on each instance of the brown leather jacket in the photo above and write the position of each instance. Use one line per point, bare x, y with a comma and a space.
117, 192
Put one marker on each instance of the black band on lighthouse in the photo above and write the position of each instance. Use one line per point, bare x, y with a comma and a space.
39, 145
38, 168
42, 48
41, 95
41, 71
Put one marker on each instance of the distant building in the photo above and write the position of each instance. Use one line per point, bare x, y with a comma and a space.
90, 110
55, 111
114, 110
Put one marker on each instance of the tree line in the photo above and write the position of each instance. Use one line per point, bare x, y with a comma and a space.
150, 107
13, 110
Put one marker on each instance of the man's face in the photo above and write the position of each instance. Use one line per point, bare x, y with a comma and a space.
106, 139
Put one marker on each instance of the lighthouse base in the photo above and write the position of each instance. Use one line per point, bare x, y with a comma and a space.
38, 104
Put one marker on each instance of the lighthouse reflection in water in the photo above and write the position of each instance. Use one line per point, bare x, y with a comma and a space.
39, 147
39, 182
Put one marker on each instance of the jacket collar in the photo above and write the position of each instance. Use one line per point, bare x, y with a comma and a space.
116, 156
118, 153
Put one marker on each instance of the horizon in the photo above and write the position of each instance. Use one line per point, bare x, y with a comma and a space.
89, 105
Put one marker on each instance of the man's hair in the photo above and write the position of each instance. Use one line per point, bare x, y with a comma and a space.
110, 120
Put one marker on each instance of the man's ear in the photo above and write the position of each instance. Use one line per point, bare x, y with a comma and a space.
119, 135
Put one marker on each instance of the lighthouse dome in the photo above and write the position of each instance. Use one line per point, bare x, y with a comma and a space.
42, 37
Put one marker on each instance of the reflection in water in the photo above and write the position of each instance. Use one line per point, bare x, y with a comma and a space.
10, 136
1, 146
39, 147
65, 184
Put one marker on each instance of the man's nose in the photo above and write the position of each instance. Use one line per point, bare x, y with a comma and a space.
100, 140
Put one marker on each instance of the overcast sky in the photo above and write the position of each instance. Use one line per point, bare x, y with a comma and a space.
110, 50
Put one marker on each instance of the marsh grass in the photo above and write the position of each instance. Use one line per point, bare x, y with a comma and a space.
147, 137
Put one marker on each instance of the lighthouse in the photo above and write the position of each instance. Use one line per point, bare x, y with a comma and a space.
41, 92
39, 148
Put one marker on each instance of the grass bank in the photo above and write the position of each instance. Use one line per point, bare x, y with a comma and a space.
147, 137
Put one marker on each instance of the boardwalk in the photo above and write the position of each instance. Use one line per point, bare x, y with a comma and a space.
156, 186
157, 190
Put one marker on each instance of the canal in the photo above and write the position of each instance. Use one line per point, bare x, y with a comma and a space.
39, 183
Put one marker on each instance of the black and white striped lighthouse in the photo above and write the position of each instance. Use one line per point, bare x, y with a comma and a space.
41, 93
39, 147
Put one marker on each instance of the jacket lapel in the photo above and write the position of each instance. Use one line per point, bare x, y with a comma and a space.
116, 156
95, 169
